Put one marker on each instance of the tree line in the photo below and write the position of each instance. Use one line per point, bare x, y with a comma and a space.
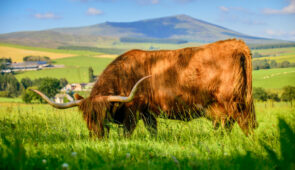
269, 46
269, 64
288, 94
11, 87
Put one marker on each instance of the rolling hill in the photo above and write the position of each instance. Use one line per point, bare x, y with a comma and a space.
173, 29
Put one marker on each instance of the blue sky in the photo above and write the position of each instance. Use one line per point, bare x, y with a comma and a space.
264, 18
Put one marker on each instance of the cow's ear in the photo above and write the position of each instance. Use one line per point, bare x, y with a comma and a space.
78, 97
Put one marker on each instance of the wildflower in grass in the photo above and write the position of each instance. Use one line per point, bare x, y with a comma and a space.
65, 166
127, 155
74, 154
44, 161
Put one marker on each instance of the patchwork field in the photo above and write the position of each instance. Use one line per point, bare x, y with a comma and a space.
17, 54
277, 54
41, 137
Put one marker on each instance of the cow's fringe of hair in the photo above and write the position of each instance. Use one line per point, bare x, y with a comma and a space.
94, 113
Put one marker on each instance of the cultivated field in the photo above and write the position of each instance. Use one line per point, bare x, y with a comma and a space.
41, 137
277, 54
17, 54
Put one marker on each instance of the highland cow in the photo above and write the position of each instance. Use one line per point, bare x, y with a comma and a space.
212, 81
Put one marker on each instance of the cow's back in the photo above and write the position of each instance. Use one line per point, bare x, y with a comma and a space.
183, 78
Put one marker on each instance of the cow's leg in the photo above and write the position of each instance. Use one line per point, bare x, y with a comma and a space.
228, 124
95, 130
150, 122
247, 121
129, 123
218, 114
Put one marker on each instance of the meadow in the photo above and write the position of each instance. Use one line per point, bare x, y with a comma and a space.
37, 136
274, 78
75, 71
40, 137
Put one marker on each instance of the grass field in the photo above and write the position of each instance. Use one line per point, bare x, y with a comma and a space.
274, 78
277, 54
76, 70
41, 137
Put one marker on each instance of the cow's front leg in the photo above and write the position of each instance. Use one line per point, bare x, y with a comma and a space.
150, 122
95, 129
129, 124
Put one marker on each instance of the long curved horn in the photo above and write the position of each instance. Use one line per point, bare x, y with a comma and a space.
129, 98
58, 105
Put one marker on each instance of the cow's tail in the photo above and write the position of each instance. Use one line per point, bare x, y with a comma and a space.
248, 96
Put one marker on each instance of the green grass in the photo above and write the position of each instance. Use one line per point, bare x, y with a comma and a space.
41, 137
76, 70
10, 100
274, 78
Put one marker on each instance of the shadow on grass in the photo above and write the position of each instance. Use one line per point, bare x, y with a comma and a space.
13, 156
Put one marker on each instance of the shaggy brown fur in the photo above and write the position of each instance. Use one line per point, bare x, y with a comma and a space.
213, 80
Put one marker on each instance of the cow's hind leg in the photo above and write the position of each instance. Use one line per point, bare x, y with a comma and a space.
150, 122
246, 120
219, 115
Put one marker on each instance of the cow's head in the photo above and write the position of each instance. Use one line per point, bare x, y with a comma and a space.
94, 108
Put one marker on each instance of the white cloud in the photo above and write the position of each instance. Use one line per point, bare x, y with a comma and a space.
223, 8
47, 15
290, 9
94, 11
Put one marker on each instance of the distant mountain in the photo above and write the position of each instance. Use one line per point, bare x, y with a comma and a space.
174, 29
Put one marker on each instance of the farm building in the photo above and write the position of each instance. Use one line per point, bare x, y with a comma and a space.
59, 98
26, 66
29, 65
78, 87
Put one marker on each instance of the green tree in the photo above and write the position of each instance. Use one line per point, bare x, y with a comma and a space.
285, 64
273, 96
273, 64
26, 82
9, 84
91, 76
288, 94
28, 96
49, 86
259, 94
63, 82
